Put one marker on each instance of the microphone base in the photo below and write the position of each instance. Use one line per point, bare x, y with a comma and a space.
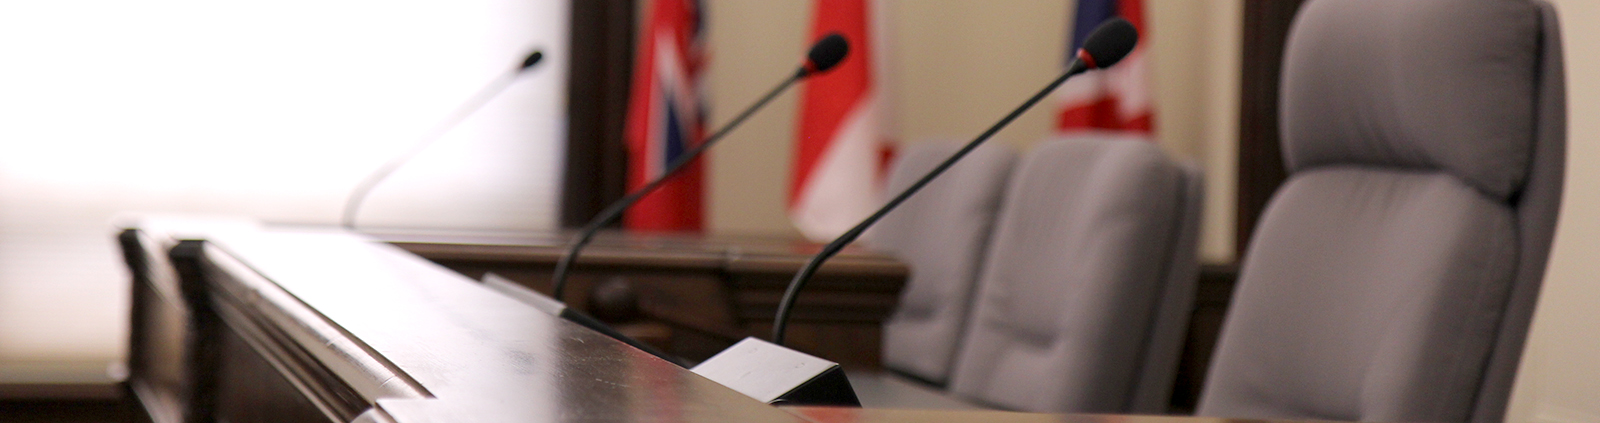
778, 375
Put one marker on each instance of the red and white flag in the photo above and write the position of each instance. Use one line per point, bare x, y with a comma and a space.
666, 117
1114, 99
840, 152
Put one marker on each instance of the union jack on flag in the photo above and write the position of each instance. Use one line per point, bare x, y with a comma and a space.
666, 117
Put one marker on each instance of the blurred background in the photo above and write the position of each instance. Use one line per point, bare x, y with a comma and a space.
276, 109
269, 109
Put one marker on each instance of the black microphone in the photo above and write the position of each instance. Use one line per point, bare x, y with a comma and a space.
824, 55
352, 205
1107, 45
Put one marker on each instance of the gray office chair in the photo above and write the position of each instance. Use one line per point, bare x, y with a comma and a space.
1088, 284
1393, 275
941, 234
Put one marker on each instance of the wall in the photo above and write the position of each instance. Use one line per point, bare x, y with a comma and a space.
954, 67
1559, 379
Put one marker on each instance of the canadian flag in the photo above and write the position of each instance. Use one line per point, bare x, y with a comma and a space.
1114, 99
841, 151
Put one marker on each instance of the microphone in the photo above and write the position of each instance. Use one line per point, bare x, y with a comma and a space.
1105, 46
352, 205
824, 55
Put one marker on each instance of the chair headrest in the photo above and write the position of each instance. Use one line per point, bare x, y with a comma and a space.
1429, 84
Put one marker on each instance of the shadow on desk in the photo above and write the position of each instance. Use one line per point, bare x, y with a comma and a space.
693, 296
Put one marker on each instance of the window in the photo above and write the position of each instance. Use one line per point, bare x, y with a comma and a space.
269, 109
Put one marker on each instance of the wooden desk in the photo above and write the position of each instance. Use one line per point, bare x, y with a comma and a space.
305, 326
862, 415
336, 327
712, 291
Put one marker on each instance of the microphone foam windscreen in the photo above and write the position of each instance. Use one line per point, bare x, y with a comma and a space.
533, 59
1110, 42
827, 53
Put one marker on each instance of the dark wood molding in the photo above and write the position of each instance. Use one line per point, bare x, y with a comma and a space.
597, 104
701, 294
305, 327
205, 328
1211, 300
71, 409
1261, 170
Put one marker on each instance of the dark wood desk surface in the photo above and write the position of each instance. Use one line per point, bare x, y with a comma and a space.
864, 415
420, 343
713, 290
641, 251
350, 329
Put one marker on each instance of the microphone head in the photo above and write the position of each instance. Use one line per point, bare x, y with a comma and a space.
1109, 43
533, 59
826, 54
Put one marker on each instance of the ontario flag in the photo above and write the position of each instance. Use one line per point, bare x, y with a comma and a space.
840, 150
666, 117
1114, 99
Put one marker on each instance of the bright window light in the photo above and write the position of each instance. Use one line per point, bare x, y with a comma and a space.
273, 109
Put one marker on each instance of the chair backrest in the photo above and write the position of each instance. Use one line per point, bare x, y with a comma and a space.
1392, 277
1088, 282
941, 233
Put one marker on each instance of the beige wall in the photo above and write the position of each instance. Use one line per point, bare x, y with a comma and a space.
1559, 380
753, 45
953, 68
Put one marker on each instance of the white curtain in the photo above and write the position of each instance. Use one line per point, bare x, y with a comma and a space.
272, 109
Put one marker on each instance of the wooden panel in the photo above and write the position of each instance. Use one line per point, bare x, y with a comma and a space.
320, 309
339, 371
597, 102
69, 411
1205, 324
860, 415
159, 332
302, 324
700, 301
712, 290
254, 390
1261, 169
261, 355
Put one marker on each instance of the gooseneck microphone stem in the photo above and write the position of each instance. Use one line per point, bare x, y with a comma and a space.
352, 204
610, 214
1105, 46
786, 305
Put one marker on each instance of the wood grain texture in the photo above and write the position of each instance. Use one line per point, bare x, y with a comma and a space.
159, 333
598, 84
716, 290
860, 415
474, 354
309, 325
1261, 168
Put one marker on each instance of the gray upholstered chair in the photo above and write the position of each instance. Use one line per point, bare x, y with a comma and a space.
1088, 283
941, 234
1393, 275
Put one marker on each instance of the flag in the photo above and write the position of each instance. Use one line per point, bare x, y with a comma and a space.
1114, 99
666, 117
840, 151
